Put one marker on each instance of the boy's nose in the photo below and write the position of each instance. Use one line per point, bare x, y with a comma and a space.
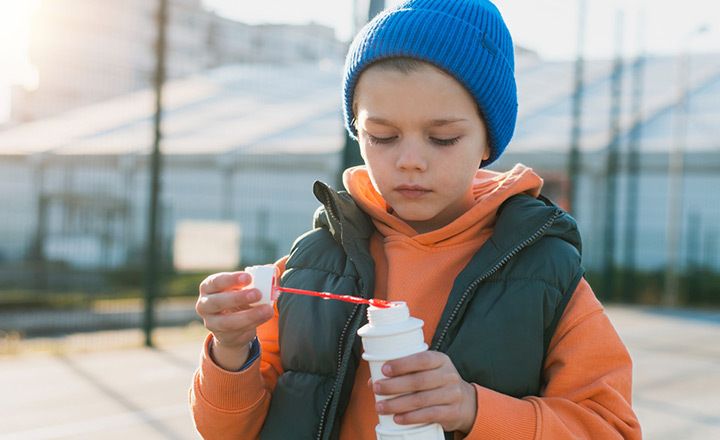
411, 157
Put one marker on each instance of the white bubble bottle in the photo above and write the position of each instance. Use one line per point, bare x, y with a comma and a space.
263, 279
391, 333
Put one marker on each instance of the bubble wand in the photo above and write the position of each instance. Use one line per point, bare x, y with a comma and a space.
265, 280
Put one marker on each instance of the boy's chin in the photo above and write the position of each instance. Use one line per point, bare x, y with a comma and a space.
415, 219
412, 216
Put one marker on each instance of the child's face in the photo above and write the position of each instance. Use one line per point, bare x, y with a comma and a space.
422, 140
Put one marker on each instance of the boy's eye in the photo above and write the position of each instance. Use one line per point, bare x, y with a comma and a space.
445, 142
380, 140
374, 140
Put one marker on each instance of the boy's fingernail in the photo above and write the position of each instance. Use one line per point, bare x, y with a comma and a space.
387, 370
379, 407
254, 295
376, 388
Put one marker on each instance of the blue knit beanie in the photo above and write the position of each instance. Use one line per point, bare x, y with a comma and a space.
466, 38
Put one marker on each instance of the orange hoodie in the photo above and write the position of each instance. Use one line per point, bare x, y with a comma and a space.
587, 370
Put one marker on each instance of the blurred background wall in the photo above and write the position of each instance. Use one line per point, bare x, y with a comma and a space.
251, 116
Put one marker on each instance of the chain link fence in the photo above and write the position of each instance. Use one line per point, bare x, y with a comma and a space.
250, 117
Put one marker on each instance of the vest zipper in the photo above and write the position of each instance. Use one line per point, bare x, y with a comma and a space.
492, 270
321, 427
330, 205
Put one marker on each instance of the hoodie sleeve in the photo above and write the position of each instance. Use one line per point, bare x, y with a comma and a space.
587, 391
233, 405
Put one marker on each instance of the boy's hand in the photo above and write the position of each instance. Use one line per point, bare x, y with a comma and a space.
437, 393
224, 306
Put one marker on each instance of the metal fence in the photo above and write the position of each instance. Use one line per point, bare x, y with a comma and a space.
248, 118
158, 148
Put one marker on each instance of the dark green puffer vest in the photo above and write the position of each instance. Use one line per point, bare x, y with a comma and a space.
501, 313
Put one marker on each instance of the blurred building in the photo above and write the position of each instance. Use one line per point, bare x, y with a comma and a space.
542, 140
244, 143
87, 51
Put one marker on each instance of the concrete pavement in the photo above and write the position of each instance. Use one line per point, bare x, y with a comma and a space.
120, 394
137, 393
676, 355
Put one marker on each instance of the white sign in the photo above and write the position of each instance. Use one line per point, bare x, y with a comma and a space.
206, 245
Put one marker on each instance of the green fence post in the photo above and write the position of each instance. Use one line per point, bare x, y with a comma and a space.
153, 243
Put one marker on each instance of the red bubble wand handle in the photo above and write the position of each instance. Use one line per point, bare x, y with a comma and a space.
345, 298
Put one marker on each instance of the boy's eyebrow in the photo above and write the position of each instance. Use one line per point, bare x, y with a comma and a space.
377, 120
438, 122
433, 122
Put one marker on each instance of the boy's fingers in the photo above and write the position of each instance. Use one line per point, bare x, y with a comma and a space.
226, 301
426, 360
431, 414
223, 281
408, 383
241, 321
415, 401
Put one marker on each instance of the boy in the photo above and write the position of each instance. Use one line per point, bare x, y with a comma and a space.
520, 347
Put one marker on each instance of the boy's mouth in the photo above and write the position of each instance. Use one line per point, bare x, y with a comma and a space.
412, 191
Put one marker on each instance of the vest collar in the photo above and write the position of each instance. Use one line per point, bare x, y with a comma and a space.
341, 215
351, 228
518, 218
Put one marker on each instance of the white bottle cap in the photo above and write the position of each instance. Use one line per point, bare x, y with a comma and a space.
398, 312
263, 279
391, 333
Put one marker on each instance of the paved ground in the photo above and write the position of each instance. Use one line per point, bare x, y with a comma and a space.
133, 393
676, 371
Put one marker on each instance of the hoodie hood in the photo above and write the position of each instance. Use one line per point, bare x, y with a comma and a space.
490, 190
